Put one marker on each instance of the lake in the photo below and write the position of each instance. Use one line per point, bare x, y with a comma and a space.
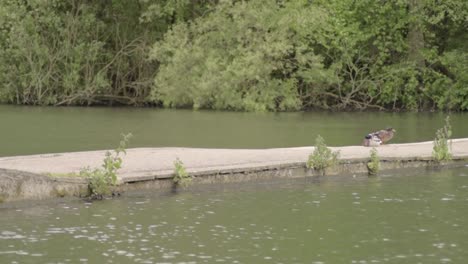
34, 130
414, 217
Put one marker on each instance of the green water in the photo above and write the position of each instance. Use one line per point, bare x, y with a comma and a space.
33, 130
415, 217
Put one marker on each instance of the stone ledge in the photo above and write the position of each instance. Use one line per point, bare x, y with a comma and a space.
22, 177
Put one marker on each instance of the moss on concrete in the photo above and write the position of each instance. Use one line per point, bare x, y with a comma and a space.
62, 175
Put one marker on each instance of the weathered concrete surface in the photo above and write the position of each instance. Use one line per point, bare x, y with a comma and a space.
147, 164
21, 185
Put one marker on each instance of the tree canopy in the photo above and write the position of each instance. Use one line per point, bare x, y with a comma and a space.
257, 55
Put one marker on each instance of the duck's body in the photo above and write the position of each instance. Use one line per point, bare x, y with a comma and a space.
385, 135
371, 140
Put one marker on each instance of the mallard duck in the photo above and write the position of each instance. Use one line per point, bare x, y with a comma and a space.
371, 140
385, 134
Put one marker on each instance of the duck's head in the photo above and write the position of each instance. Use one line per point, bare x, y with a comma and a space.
390, 129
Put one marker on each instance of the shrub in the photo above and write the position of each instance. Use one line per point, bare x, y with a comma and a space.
242, 56
74, 52
441, 150
181, 177
102, 179
374, 165
322, 157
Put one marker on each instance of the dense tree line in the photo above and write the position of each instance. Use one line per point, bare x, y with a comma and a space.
257, 55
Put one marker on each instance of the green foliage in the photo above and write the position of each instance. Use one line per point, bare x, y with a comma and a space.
73, 52
102, 179
374, 165
263, 55
181, 177
271, 55
242, 56
441, 150
452, 90
322, 157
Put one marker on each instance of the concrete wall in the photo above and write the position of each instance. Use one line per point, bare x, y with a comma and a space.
19, 185
357, 167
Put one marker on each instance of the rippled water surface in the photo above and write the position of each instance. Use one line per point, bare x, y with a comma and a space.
416, 217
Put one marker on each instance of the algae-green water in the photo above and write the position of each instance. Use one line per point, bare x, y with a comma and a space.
413, 217
408, 217
34, 130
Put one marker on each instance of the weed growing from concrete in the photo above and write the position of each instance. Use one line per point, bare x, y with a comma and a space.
102, 179
441, 150
322, 157
181, 177
373, 166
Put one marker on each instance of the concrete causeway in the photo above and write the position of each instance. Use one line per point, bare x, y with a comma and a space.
140, 164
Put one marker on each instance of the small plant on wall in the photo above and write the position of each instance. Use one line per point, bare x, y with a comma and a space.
181, 177
322, 157
441, 150
373, 166
102, 179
